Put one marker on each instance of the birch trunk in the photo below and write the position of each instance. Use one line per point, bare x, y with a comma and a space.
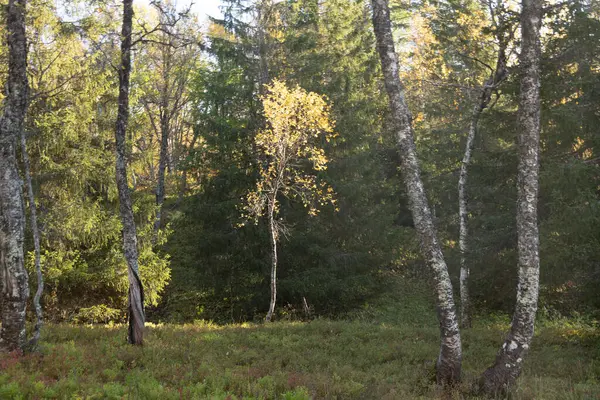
264, 10
450, 357
463, 242
273, 237
15, 285
32, 343
465, 302
136, 292
165, 117
509, 361
162, 164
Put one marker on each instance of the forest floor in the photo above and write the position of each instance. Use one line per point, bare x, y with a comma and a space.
385, 352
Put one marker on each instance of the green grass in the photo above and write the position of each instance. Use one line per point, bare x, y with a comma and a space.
364, 358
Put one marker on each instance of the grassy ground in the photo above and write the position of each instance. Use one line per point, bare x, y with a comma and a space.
386, 352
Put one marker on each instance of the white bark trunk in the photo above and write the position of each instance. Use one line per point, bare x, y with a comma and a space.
15, 285
32, 343
450, 357
273, 237
509, 361
162, 163
498, 75
165, 117
465, 302
136, 292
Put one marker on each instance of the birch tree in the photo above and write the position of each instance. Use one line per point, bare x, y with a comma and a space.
503, 33
15, 285
295, 122
32, 342
130, 250
450, 357
509, 361
170, 60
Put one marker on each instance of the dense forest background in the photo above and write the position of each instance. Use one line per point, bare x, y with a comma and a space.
277, 202
200, 85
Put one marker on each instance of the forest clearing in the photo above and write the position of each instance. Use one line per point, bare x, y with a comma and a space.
300, 199
384, 351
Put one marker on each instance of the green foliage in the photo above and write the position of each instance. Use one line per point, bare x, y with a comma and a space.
445, 52
336, 260
357, 262
70, 128
97, 314
201, 265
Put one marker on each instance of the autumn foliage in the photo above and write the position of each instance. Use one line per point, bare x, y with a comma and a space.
297, 122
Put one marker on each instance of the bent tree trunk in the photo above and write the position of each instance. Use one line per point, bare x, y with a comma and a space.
136, 291
15, 285
273, 237
450, 357
509, 361
486, 94
32, 343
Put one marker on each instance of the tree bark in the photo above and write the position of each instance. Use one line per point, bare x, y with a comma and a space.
465, 302
162, 163
273, 237
136, 291
486, 94
32, 343
450, 357
509, 361
15, 285
165, 117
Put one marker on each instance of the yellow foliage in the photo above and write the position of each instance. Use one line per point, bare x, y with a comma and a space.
579, 146
296, 123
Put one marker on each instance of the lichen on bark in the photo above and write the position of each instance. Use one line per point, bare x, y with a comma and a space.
502, 375
15, 285
450, 356
130, 251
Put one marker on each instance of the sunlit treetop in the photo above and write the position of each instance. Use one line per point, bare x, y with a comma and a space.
297, 123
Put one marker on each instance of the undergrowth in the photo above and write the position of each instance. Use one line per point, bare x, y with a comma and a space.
386, 351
